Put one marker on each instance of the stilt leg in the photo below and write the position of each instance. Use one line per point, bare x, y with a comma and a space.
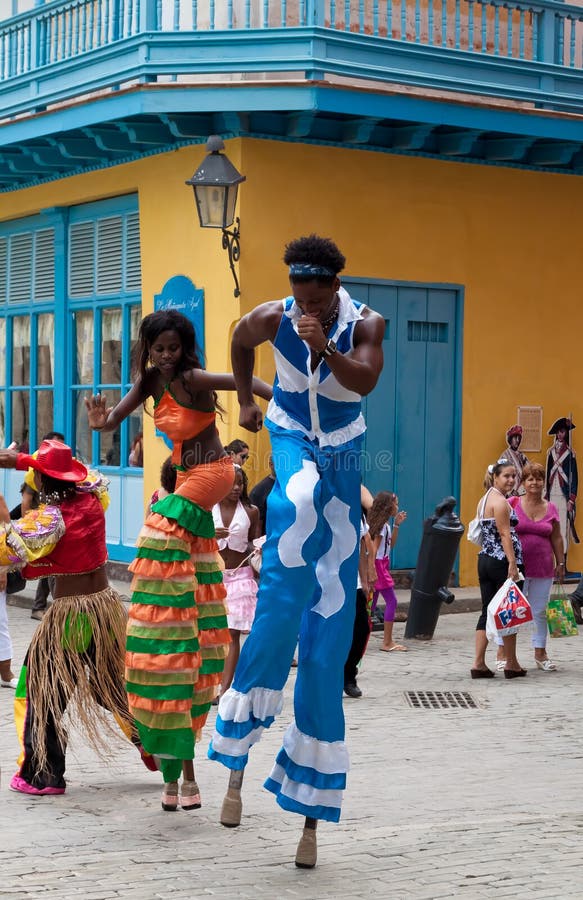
232, 805
170, 796
189, 791
307, 852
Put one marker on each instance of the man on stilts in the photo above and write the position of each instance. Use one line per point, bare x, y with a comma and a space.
328, 354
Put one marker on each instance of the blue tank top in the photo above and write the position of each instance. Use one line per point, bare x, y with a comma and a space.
315, 403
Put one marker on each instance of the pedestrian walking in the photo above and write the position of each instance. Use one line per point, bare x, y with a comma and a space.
498, 559
385, 507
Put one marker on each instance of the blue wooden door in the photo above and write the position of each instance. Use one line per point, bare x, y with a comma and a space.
413, 415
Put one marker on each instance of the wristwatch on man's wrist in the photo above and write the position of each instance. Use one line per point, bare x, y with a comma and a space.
329, 349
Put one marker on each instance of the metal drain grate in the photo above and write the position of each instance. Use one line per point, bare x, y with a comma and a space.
440, 700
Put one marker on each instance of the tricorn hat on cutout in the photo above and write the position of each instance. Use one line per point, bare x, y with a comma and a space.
563, 422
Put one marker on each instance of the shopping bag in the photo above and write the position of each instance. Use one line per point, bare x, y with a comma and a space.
508, 610
560, 616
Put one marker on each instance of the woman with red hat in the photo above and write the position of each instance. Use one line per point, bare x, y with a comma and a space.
76, 654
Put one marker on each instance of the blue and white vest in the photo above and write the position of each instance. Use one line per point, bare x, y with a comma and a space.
314, 402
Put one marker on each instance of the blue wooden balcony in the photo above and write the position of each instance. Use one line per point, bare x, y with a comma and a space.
105, 80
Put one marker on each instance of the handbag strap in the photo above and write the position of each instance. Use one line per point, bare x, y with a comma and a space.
483, 505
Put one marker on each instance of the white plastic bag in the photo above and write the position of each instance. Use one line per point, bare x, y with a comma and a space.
508, 610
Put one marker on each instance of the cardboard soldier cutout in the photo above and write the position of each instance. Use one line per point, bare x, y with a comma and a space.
515, 456
561, 478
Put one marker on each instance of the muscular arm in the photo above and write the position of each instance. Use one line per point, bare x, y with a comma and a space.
358, 371
255, 328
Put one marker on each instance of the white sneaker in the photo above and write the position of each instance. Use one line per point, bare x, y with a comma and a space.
9, 684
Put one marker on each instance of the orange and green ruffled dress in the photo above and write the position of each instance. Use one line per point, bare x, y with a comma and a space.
177, 636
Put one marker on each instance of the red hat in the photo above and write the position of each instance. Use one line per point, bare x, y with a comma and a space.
516, 429
56, 460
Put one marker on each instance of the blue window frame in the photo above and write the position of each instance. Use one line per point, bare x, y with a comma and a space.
104, 294
74, 273
29, 376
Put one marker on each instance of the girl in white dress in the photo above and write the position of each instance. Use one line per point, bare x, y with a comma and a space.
236, 527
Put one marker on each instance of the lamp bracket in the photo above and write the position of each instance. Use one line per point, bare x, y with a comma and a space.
232, 245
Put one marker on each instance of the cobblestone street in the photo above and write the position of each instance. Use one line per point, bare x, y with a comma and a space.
473, 803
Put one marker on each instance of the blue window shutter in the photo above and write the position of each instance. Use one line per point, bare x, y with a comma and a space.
109, 255
133, 270
81, 259
44, 265
20, 268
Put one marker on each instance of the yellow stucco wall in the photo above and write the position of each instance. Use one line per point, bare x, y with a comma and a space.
507, 236
502, 233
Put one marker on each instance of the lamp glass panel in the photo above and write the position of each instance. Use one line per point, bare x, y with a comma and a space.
210, 200
231, 202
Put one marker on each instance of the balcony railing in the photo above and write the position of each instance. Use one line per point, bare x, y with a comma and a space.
526, 50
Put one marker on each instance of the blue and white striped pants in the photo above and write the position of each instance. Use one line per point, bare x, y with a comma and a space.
307, 587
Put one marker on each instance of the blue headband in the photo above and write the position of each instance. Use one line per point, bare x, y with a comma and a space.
309, 269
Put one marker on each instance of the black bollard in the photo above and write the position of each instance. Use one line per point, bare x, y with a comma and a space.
439, 545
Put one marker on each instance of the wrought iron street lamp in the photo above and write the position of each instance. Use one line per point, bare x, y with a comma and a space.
215, 184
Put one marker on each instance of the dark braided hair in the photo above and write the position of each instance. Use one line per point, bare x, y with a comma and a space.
152, 327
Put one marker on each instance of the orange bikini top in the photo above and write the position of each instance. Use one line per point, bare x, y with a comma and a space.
179, 422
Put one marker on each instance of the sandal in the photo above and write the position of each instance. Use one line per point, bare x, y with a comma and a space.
500, 664
170, 797
190, 795
547, 665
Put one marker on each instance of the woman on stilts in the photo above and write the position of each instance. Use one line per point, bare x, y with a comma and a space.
177, 637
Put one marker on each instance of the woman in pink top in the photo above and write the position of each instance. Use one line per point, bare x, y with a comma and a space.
543, 556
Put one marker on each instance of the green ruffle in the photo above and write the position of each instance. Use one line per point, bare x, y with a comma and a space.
206, 622
211, 666
209, 577
159, 692
162, 555
180, 601
175, 742
143, 645
187, 514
